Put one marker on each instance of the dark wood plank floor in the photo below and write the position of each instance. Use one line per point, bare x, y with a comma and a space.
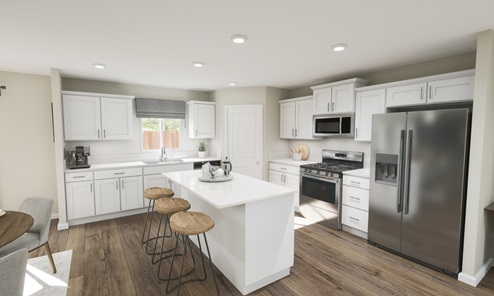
109, 259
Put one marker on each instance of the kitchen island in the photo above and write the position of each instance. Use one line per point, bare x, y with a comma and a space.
252, 242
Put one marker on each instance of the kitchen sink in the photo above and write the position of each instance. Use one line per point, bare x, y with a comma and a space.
162, 161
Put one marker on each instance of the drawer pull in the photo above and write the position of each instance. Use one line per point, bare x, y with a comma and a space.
78, 177
354, 219
282, 168
121, 173
355, 198
355, 182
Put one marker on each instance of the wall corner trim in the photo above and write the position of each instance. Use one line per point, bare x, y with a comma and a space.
474, 281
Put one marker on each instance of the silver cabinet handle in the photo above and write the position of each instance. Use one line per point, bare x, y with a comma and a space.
328, 107
430, 92
98, 133
355, 198
332, 106
355, 182
281, 178
282, 168
421, 93
354, 219
356, 132
119, 173
296, 132
104, 133
91, 187
78, 177
196, 133
122, 184
116, 184
292, 132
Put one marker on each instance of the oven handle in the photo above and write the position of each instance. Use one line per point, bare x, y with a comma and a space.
330, 180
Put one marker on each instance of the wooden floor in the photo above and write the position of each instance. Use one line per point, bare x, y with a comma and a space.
108, 259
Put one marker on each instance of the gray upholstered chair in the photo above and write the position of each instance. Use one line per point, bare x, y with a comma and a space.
13, 272
37, 236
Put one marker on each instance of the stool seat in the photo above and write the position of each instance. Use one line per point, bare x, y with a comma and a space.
158, 192
171, 205
191, 223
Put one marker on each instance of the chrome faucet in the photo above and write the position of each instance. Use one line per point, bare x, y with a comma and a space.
163, 153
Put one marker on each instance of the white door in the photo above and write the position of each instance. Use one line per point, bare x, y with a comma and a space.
304, 119
448, 90
368, 103
116, 119
276, 177
80, 200
131, 193
81, 117
293, 182
411, 94
342, 99
204, 120
243, 131
287, 120
107, 196
322, 101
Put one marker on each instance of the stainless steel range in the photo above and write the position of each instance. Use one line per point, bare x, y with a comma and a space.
320, 186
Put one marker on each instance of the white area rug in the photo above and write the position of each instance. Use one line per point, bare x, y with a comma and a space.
40, 279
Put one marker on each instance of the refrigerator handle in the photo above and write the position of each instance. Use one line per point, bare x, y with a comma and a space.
406, 199
399, 195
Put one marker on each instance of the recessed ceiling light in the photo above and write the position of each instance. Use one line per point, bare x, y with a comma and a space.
99, 66
339, 47
198, 64
232, 83
238, 38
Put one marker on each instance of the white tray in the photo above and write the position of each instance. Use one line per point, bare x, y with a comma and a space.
218, 179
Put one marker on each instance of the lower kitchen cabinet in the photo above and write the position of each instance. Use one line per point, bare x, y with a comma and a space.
355, 205
107, 196
80, 199
288, 176
131, 193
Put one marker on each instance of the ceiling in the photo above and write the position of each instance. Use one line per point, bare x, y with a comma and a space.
154, 43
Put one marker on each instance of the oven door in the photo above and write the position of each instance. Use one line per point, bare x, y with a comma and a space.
320, 200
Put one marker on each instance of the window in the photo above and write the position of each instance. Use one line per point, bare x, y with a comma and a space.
158, 132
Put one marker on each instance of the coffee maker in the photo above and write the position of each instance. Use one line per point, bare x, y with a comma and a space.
78, 157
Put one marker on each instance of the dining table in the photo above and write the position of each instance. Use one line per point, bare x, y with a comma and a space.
13, 224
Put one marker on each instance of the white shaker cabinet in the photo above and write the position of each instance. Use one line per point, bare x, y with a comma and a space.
336, 97
79, 191
296, 118
355, 205
131, 193
444, 88
107, 196
368, 103
288, 176
93, 117
202, 120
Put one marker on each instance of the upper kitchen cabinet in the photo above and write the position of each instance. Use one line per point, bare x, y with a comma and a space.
201, 119
368, 103
445, 88
97, 117
296, 118
336, 97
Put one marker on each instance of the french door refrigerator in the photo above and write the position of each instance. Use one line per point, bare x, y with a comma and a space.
418, 185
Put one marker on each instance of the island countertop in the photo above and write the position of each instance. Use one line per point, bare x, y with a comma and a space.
241, 190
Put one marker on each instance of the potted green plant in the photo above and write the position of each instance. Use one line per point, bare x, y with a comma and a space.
202, 149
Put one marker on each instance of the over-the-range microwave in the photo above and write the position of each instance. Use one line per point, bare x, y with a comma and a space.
330, 125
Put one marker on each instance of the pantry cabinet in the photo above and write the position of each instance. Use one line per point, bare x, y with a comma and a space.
368, 103
97, 117
296, 118
202, 120
336, 97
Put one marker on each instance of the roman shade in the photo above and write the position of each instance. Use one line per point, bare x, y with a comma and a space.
152, 108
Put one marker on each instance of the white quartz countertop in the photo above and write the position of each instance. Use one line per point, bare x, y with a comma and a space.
133, 164
363, 173
289, 161
241, 190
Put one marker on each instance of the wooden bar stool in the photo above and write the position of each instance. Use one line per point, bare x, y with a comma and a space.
167, 207
187, 224
153, 194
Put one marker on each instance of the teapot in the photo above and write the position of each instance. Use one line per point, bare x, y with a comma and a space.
227, 166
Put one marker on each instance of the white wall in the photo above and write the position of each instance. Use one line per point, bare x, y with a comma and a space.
478, 231
27, 159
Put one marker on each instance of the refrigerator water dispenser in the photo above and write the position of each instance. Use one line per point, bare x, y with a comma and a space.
386, 168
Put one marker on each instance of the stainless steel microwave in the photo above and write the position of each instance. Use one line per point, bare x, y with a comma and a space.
341, 125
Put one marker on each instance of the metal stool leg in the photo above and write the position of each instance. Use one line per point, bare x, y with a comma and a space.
211, 262
146, 224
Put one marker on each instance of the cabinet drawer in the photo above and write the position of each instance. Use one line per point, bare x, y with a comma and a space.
294, 170
151, 170
76, 177
356, 197
356, 182
117, 173
355, 218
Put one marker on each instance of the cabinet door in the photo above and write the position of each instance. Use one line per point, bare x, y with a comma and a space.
157, 180
275, 177
343, 98
287, 120
202, 121
367, 104
81, 117
107, 196
303, 119
412, 94
131, 193
356, 197
117, 119
80, 199
322, 100
450, 90
355, 218
293, 181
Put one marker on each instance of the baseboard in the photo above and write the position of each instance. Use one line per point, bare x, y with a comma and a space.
54, 216
475, 280
62, 226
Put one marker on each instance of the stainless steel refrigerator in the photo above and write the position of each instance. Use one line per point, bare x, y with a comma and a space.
418, 185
